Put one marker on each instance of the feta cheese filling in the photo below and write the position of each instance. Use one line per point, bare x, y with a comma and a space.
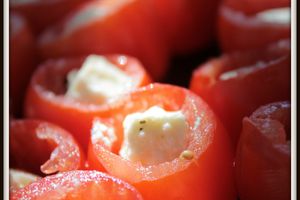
154, 136
98, 81
276, 15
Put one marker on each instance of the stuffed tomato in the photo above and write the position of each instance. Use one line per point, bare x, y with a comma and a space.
166, 142
105, 27
71, 185
35, 11
234, 85
71, 92
247, 24
22, 60
263, 160
32, 142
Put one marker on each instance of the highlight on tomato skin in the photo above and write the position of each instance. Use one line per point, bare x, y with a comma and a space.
22, 61
46, 94
235, 84
32, 142
263, 160
34, 11
106, 27
78, 185
192, 174
245, 25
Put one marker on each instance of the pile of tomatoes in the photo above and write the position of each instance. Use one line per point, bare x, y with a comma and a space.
225, 64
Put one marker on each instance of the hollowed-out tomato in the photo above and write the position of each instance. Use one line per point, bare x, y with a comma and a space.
193, 176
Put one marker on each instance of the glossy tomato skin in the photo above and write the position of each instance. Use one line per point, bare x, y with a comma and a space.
263, 161
41, 14
179, 178
186, 25
22, 61
45, 97
239, 29
125, 27
78, 185
259, 77
32, 142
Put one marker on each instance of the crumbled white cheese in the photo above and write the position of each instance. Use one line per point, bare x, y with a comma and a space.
154, 136
104, 133
97, 81
276, 15
19, 179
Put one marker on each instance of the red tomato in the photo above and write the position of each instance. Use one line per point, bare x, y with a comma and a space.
21, 61
182, 178
32, 141
240, 29
78, 185
46, 100
43, 13
263, 163
105, 27
186, 25
234, 85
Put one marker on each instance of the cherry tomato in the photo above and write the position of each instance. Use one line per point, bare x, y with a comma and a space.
22, 60
234, 85
32, 141
106, 27
46, 99
185, 177
263, 163
241, 29
73, 185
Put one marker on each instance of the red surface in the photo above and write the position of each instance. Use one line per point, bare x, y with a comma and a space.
73, 185
266, 80
179, 178
263, 163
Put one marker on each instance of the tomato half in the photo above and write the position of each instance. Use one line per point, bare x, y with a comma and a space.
234, 85
73, 185
35, 11
22, 60
106, 27
45, 96
263, 163
239, 28
180, 178
32, 141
